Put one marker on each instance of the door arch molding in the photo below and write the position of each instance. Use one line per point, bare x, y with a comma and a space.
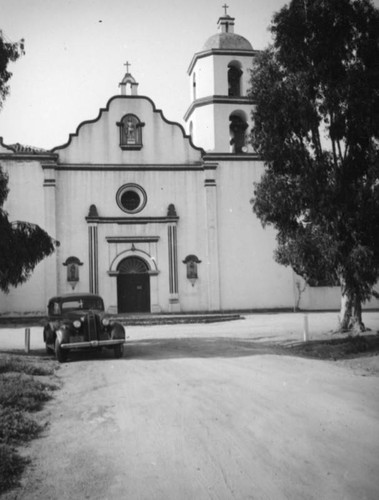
133, 265
150, 261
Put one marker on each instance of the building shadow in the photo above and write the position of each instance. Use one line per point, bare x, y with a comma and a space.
198, 347
174, 348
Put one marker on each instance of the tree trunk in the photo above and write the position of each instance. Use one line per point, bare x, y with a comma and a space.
351, 312
345, 312
356, 323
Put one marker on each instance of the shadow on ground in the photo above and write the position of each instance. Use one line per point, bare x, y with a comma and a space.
198, 347
230, 347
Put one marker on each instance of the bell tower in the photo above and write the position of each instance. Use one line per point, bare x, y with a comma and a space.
219, 116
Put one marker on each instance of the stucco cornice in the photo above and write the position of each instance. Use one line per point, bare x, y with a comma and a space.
131, 220
27, 157
217, 99
132, 239
220, 52
232, 157
135, 167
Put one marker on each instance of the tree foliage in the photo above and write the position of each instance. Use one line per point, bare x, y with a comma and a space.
316, 91
22, 244
9, 52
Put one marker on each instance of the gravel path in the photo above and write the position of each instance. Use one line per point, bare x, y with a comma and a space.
209, 412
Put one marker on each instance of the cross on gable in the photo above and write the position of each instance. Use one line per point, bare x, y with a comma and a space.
127, 64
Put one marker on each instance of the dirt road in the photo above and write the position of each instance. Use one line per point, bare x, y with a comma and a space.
208, 412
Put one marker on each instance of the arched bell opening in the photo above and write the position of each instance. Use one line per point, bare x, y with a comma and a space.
237, 132
234, 79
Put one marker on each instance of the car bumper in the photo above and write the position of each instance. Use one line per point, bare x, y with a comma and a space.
92, 344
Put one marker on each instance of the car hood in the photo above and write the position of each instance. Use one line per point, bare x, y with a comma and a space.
73, 315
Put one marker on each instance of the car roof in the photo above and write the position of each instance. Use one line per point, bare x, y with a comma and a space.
68, 296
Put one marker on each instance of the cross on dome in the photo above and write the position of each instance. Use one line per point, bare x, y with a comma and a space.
226, 22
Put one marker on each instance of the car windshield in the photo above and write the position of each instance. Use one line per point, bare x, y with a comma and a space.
82, 303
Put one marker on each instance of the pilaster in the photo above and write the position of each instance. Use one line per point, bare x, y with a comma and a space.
212, 236
50, 226
93, 258
174, 305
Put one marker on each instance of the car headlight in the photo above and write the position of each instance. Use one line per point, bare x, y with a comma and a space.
105, 321
77, 323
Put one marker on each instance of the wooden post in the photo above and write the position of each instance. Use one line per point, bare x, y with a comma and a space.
306, 328
27, 340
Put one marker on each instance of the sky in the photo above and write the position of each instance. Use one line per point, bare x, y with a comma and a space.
76, 50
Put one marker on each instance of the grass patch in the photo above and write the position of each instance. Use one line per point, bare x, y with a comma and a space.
12, 465
17, 427
23, 393
22, 364
25, 385
339, 348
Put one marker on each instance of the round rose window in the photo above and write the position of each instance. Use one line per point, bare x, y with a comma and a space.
131, 198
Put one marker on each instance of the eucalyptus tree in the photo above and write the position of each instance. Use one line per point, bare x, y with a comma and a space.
316, 115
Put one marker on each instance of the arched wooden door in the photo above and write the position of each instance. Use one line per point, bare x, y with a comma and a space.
133, 286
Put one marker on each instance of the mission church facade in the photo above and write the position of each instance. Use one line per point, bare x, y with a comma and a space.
153, 217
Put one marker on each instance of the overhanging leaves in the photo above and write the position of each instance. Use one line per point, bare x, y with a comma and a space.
316, 124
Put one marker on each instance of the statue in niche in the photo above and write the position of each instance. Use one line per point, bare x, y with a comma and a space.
73, 272
130, 132
191, 270
72, 264
191, 262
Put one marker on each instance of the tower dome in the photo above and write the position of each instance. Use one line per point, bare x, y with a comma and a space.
227, 39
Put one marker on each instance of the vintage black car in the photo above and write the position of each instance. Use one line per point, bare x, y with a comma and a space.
78, 321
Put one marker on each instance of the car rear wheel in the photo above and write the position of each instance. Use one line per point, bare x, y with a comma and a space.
118, 350
60, 353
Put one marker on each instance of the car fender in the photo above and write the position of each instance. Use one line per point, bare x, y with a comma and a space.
63, 334
48, 334
117, 331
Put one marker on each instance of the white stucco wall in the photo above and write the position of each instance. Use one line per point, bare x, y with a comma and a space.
182, 188
203, 127
250, 279
25, 202
205, 78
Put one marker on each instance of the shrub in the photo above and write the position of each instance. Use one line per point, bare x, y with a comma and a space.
23, 393
17, 427
12, 466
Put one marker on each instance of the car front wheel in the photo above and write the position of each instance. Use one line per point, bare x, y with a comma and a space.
60, 353
118, 350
